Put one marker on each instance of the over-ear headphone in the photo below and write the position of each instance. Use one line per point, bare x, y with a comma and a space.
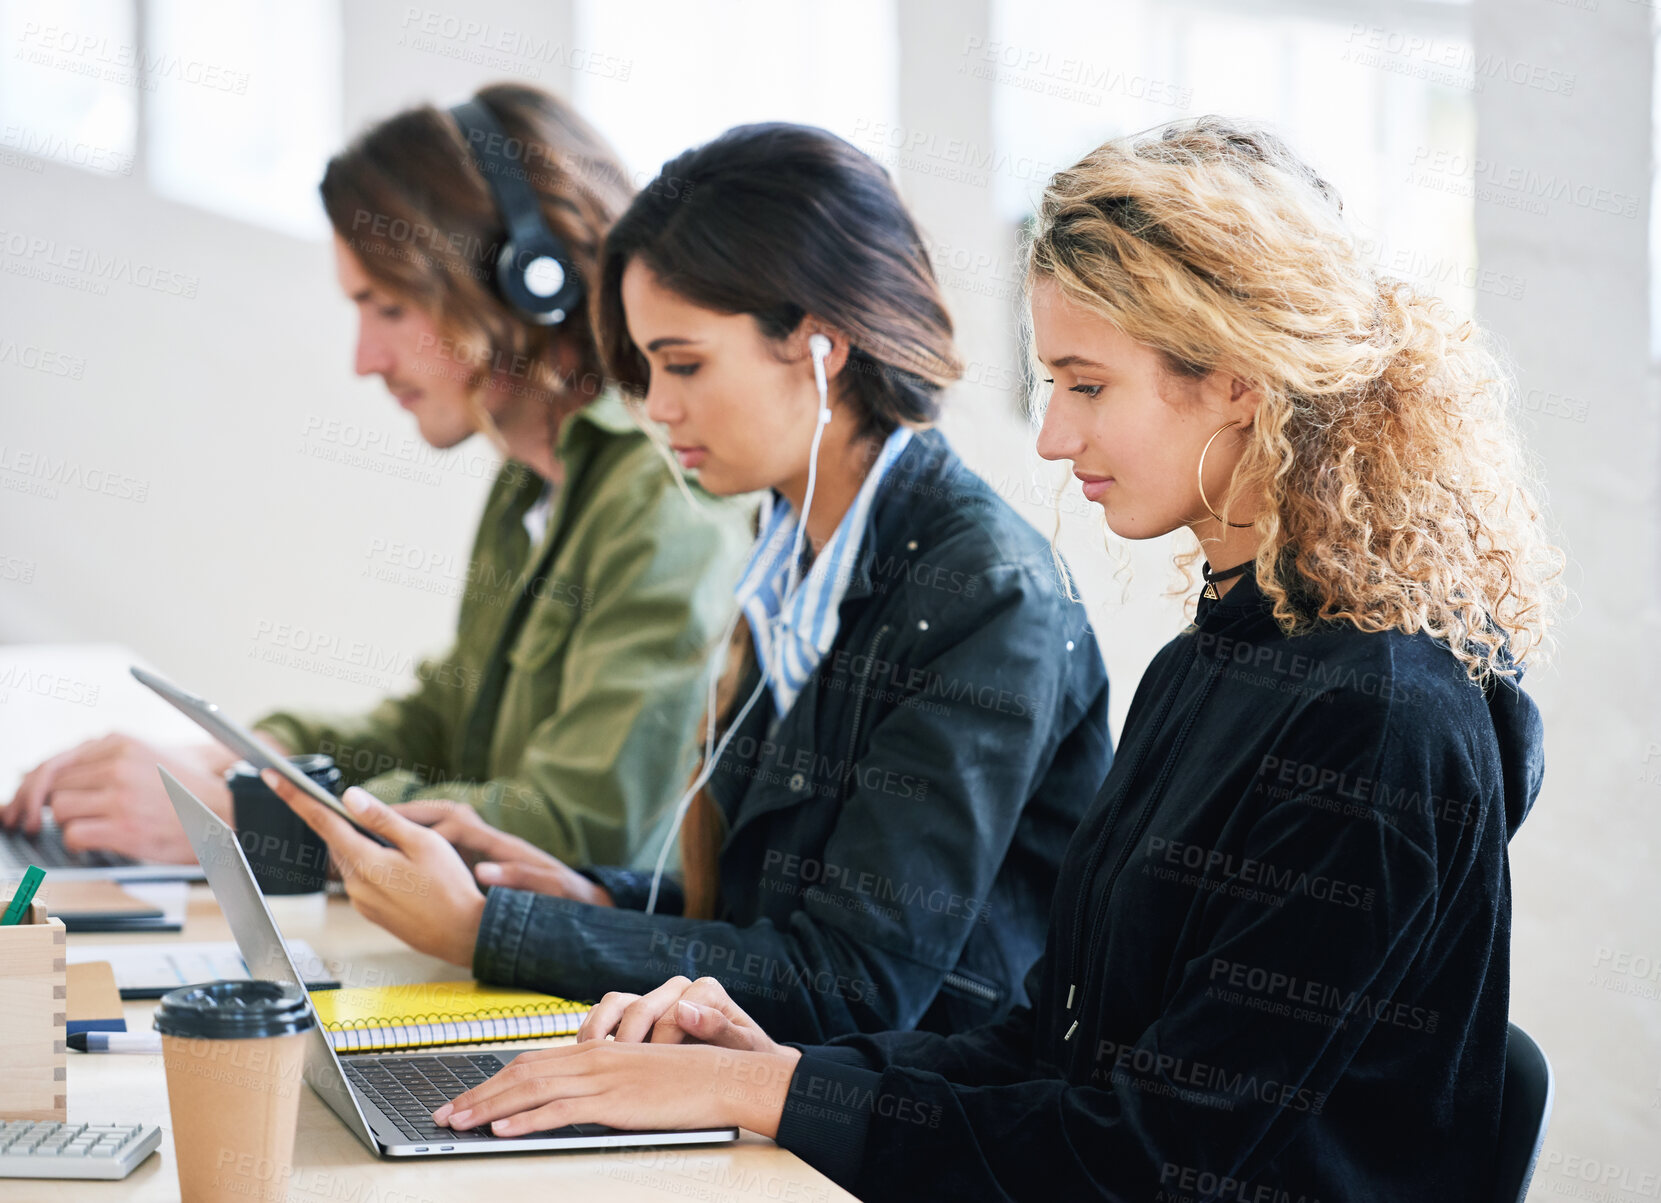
534, 272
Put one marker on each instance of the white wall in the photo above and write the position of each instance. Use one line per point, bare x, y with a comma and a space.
218, 405
1586, 946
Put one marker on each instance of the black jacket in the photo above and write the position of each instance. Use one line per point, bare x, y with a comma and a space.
1277, 966
893, 841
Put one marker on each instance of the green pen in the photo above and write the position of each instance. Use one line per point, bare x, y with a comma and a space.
25, 894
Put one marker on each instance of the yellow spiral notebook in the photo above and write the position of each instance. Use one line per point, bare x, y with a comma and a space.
427, 1014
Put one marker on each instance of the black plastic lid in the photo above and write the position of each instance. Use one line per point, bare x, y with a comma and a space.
234, 1010
313, 765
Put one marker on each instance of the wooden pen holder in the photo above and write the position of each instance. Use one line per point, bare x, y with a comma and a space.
32, 1009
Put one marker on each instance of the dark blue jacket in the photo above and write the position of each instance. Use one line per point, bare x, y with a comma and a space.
1277, 967
892, 842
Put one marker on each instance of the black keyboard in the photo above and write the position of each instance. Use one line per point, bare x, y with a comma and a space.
409, 1089
47, 851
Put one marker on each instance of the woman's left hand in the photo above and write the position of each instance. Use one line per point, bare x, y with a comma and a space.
631, 1086
419, 889
500, 859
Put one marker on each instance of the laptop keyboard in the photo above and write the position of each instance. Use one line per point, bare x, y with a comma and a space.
19, 851
409, 1089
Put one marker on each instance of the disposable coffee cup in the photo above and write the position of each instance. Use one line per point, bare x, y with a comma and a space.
286, 856
234, 1053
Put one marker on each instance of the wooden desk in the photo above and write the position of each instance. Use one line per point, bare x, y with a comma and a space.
331, 1166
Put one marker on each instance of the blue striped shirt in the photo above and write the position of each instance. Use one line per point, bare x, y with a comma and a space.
793, 634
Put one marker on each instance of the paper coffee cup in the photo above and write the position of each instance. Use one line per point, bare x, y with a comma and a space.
235, 1053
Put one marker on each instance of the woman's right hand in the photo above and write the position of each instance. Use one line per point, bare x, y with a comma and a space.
677, 1012
415, 885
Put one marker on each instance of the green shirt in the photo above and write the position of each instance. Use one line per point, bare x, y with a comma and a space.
567, 710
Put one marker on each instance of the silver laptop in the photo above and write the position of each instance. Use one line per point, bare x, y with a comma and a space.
18, 851
385, 1099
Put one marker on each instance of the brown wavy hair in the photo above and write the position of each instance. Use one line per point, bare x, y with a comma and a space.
408, 200
1395, 491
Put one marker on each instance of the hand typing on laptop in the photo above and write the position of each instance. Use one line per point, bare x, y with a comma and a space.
684, 1056
106, 796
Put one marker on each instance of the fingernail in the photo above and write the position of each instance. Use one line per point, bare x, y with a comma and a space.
357, 799
688, 1013
442, 1114
487, 871
499, 1126
460, 1118
269, 776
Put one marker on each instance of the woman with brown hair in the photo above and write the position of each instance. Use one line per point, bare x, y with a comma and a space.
565, 712
921, 713
1277, 960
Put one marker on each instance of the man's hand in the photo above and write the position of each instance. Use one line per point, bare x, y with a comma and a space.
107, 796
500, 859
419, 889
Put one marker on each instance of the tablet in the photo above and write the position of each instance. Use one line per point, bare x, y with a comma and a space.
240, 740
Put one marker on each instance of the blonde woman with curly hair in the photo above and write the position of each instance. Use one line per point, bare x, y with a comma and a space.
1277, 957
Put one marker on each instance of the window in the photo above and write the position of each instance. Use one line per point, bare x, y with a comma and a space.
659, 76
67, 83
1383, 112
245, 108
229, 107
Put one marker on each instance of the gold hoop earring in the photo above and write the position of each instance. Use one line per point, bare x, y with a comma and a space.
1200, 474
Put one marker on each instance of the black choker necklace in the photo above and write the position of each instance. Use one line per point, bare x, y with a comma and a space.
1227, 574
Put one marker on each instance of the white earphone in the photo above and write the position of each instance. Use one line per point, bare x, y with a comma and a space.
819, 347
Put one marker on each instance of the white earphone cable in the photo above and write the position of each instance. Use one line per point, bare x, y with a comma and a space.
820, 347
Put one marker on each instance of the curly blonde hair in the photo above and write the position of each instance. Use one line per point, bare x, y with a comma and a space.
1396, 494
